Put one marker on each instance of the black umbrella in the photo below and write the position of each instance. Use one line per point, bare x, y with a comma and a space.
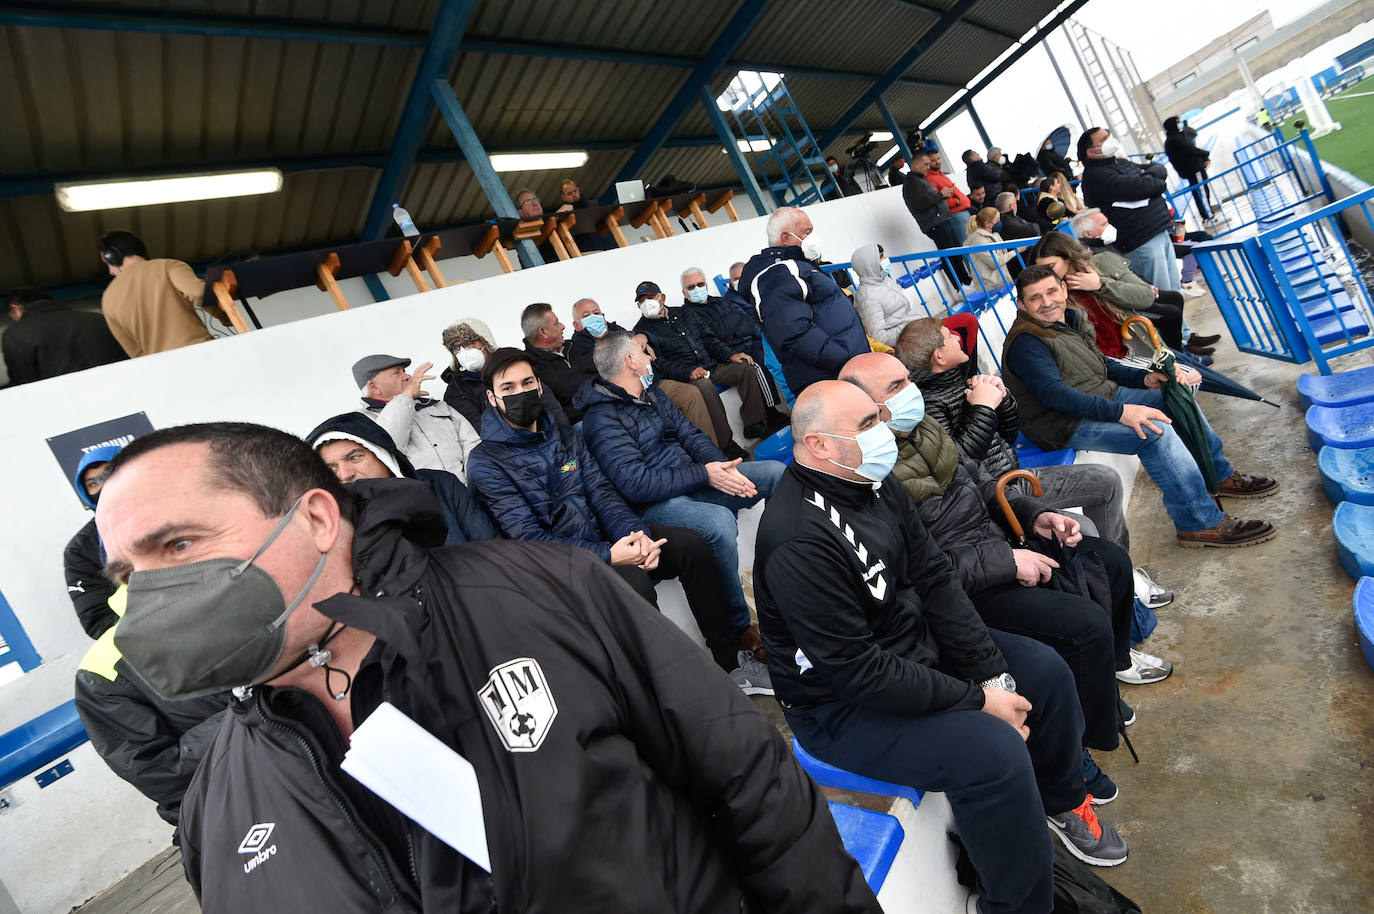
1214, 382
1178, 403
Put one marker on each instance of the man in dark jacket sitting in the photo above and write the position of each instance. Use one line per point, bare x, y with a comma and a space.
1132, 197
572, 702
957, 501
48, 339
810, 324
710, 314
884, 668
539, 482
666, 468
988, 174
1071, 395
548, 352
355, 448
689, 350
469, 341
982, 418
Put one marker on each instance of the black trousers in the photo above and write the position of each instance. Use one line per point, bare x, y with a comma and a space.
688, 557
1092, 643
947, 235
999, 786
1202, 195
1167, 315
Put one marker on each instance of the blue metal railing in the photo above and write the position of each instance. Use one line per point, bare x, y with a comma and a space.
1268, 184
1292, 292
921, 272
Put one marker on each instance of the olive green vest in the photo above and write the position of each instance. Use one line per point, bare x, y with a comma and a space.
1081, 364
926, 460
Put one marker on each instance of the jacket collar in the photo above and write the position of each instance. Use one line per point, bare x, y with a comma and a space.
844, 492
943, 380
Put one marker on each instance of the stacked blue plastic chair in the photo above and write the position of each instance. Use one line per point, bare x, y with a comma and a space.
1030, 456
1345, 389
1353, 526
1341, 426
1364, 617
1347, 474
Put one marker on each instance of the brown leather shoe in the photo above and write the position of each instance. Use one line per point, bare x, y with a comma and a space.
1243, 485
1231, 533
1195, 349
751, 640
1211, 339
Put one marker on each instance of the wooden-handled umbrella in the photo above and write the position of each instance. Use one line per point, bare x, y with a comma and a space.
1007, 512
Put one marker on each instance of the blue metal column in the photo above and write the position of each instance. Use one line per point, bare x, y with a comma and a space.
729, 141
477, 159
445, 34
896, 128
978, 124
730, 38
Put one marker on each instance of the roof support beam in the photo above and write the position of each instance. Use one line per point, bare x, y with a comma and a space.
115, 20
895, 128
978, 124
471, 145
730, 38
932, 35
727, 140
445, 34
1038, 36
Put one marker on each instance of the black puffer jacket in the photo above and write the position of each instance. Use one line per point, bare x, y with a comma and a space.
984, 434
89, 590
618, 769
1109, 182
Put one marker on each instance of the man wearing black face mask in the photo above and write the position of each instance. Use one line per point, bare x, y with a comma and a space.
538, 481
571, 702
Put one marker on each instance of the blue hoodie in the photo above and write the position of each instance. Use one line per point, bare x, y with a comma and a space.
91, 458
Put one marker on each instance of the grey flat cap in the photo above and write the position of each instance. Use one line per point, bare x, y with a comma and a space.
365, 368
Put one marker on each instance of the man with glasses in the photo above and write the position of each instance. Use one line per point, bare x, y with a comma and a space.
811, 326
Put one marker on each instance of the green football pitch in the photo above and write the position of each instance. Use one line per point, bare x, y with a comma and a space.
1351, 147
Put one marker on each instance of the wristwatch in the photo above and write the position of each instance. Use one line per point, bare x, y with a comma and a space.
1004, 682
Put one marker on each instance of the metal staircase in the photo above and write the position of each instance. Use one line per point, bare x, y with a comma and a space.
1118, 117
782, 152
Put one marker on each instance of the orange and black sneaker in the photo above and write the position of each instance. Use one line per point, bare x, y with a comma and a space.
1087, 837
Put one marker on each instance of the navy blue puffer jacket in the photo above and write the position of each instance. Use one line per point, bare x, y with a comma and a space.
739, 331
645, 446
544, 485
680, 345
812, 327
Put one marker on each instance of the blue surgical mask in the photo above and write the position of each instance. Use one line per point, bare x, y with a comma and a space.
886, 266
699, 295
648, 377
595, 324
997, 227
908, 408
879, 450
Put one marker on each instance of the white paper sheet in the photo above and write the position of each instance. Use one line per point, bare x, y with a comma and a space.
410, 768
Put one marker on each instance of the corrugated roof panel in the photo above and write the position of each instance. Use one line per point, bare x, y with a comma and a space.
668, 28
809, 33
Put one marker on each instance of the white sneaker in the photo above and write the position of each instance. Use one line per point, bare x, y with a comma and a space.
1145, 668
1192, 290
1149, 592
751, 676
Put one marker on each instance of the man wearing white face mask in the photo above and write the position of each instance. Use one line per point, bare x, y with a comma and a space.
1132, 198
883, 666
809, 323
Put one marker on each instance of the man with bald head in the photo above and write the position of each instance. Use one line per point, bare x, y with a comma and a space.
810, 324
883, 666
957, 501
250, 567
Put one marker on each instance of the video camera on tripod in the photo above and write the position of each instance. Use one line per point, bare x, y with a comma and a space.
861, 172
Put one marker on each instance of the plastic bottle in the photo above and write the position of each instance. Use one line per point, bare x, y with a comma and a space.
404, 221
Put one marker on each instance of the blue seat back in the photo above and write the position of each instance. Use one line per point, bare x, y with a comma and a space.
872, 839
40, 742
1341, 426
1344, 389
1347, 474
1353, 526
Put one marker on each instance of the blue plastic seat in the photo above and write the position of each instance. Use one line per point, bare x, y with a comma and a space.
827, 775
777, 446
1354, 528
41, 741
1347, 474
1030, 456
1364, 617
872, 839
1341, 426
1344, 389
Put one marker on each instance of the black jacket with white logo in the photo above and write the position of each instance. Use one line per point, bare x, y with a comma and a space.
858, 604
619, 770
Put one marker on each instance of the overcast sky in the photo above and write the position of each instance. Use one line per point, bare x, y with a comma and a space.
1158, 34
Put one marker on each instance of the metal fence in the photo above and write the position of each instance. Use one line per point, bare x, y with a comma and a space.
1274, 178
1293, 291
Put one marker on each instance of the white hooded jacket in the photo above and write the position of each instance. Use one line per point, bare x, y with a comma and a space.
883, 306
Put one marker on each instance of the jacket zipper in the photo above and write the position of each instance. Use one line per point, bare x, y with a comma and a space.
378, 857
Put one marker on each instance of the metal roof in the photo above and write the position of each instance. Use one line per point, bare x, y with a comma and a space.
110, 89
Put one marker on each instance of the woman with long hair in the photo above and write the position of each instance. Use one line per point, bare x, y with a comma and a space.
981, 230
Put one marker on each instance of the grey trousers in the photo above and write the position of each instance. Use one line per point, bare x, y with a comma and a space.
1094, 488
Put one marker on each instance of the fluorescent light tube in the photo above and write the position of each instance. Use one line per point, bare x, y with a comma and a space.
84, 196
538, 161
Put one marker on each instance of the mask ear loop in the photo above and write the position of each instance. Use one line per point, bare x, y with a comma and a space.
320, 657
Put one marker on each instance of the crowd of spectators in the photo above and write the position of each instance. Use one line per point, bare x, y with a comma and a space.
907, 633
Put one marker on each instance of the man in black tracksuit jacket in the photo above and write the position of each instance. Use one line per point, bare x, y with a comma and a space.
884, 668
621, 772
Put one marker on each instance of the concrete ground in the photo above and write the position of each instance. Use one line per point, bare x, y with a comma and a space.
1253, 791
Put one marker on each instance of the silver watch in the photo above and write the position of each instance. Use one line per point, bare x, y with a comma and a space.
1004, 682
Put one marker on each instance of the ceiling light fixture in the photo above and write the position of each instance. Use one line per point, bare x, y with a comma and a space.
84, 196
881, 136
538, 161
754, 145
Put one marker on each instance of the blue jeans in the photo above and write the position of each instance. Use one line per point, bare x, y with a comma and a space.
711, 513
1165, 457
1155, 262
